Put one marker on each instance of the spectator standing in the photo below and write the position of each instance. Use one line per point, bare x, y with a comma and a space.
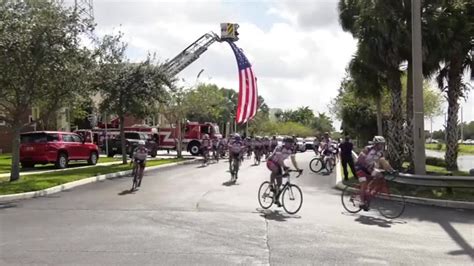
346, 157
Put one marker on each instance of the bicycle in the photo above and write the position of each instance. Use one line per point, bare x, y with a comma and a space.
257, 157
389, 201
323, 162
290, 193
137, 173
234, 167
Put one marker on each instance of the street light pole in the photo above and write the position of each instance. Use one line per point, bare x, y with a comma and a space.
418, 116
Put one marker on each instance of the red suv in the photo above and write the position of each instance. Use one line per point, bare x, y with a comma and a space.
43, 147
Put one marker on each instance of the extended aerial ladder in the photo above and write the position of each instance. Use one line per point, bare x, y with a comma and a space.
197, 48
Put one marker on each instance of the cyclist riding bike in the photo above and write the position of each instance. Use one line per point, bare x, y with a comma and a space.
139, 158
258, 147
206, 146
215, 147
276, 163
273, 144
236, 151
371, 164
266, 146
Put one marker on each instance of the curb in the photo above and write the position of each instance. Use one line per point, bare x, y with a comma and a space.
85, 181
421, 201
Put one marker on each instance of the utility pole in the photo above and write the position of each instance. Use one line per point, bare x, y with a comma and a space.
418, 117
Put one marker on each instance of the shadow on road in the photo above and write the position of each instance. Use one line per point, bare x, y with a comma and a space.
7, 205
276, 215
369, 220
229, 183
126, 192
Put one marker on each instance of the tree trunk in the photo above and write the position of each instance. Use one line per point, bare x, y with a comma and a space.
122, 139
179, 145
410, 144
454, 93
379, 116
15, 166
395, 136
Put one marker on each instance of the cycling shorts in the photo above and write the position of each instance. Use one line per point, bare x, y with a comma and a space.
140, 162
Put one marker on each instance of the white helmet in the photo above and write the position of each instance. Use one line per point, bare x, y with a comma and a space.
378, 139
141, 143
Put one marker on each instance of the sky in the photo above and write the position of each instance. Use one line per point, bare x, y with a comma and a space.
297, 48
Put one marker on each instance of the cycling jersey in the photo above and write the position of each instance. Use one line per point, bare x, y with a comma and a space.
236, 147
140, 153
280, 154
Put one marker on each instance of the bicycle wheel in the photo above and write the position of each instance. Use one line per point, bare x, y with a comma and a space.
350, 199
135, 179
316, 165
292, 199
390, 204
265, 195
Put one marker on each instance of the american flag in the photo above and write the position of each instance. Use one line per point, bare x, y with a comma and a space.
248, 96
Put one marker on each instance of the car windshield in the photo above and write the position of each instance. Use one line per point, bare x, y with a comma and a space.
299, 139
38, 138
132, 135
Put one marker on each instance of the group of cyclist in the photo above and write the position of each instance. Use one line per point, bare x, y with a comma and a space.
370, 163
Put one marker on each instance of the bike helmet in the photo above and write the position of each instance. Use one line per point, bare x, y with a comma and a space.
141, 143
378, 139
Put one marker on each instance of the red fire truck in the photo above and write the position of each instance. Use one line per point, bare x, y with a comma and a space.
165, 136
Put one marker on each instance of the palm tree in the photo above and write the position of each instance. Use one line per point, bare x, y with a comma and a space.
454, 22
380, 31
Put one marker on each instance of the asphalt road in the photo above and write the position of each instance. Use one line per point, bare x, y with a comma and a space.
189, 215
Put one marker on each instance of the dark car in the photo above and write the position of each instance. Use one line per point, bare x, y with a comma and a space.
43, 147
132, 139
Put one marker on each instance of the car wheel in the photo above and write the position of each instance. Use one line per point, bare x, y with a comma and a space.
153, 153
303, 149
110, 154
62, 161
93, 158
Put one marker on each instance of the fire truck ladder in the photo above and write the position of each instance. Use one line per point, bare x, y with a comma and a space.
190, 54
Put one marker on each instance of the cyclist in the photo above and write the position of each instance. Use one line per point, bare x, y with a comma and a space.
369, 165
206, 146
215, 147
266, 146
236, 150
273, 144
275, 163
223, 147
249, 142
258, 147
139, 158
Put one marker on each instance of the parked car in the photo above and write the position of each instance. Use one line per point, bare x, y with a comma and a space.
43, 147
432, 141
309, 143
131, 142
301, 145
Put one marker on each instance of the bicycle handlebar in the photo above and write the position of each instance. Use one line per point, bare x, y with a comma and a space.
300, 172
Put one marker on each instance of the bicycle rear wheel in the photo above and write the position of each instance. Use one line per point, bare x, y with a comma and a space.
390, 204
265, 195
292, 199
350, 199
316, 165
135, 178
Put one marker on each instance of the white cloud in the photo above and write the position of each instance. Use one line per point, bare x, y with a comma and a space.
298, 51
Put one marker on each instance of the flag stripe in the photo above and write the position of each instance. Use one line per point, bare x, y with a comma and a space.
248, 96
238, 112
254, 93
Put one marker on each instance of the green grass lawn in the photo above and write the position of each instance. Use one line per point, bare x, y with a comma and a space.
463, 149
42, 181
5, 163
460, 194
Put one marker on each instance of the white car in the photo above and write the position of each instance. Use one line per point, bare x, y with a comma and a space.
301, 144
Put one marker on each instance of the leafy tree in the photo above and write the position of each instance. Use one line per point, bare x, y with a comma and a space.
40, 58
174, 109
127, 89
322, 123
454, 26
206, 103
